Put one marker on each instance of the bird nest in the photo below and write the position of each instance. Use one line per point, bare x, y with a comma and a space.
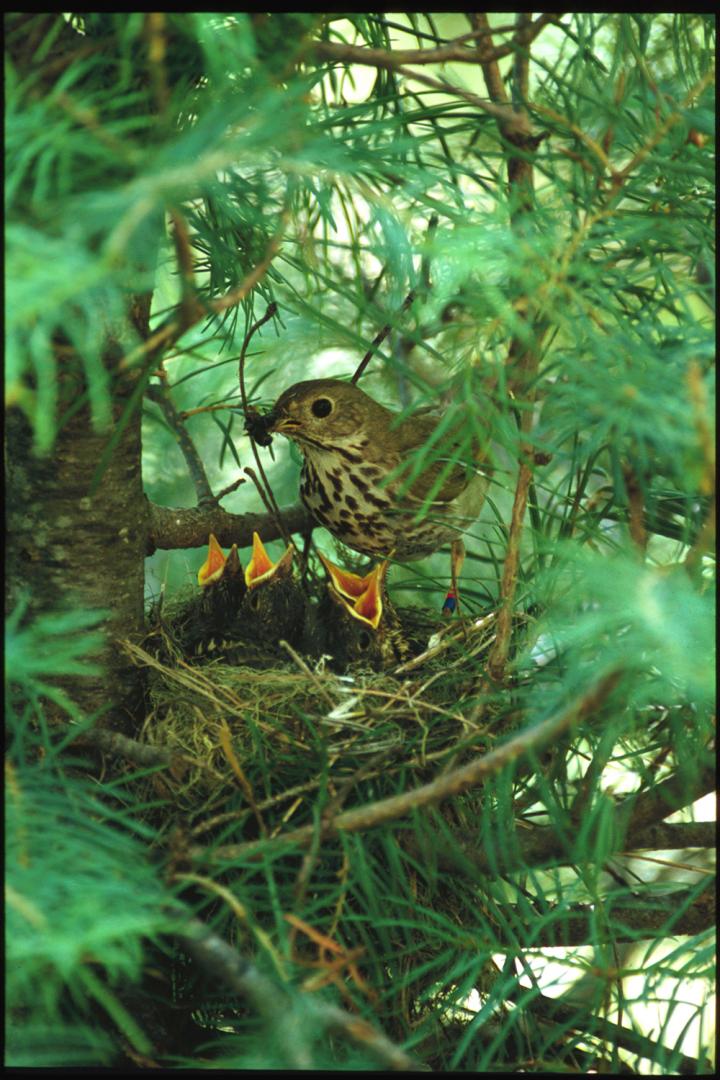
270, 731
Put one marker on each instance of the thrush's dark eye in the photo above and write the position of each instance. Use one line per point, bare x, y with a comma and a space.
364, 640
321, 407
254, 600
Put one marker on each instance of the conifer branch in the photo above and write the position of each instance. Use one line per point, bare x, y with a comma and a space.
453, 51
178, 323
274, 1003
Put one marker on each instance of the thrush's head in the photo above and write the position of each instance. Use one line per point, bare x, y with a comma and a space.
329, 412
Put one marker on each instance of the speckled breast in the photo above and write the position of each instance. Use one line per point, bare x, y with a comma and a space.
348, 500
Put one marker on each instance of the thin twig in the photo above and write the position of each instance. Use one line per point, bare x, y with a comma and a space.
499, 652
88, 118
661, 130
452, 51
161, 396
156, 34
636, 506
230, 488
503, 113
270, 313
379, 338
594, 147
268, 499
183, 253
187, 413
297, 659
265, 490
706, 535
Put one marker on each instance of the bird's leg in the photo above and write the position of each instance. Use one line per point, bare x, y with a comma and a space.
457, 558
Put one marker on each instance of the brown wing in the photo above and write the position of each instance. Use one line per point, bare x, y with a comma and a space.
415, 431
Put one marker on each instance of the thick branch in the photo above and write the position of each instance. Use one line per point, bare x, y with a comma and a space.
576, 1017
186, 527
543, 846
523, 360
488, 62
673, 917
642, 810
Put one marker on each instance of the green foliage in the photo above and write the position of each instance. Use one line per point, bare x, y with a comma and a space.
610, 611
81, 898
49, 646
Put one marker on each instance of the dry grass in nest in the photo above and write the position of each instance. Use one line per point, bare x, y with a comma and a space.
276, 731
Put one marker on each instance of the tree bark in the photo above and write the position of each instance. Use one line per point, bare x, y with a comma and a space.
71, 547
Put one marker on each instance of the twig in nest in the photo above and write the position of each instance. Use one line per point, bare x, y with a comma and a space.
307, 671
440, 646
445, 786
231, 758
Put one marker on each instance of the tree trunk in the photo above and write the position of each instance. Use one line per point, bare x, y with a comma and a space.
71, 547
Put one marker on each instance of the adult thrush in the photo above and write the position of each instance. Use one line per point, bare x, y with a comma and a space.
357, 476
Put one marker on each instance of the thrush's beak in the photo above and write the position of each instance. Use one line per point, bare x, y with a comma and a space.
212, 569
262, 568
367, 607
232, 563
349, 585
217, 566
282, 424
